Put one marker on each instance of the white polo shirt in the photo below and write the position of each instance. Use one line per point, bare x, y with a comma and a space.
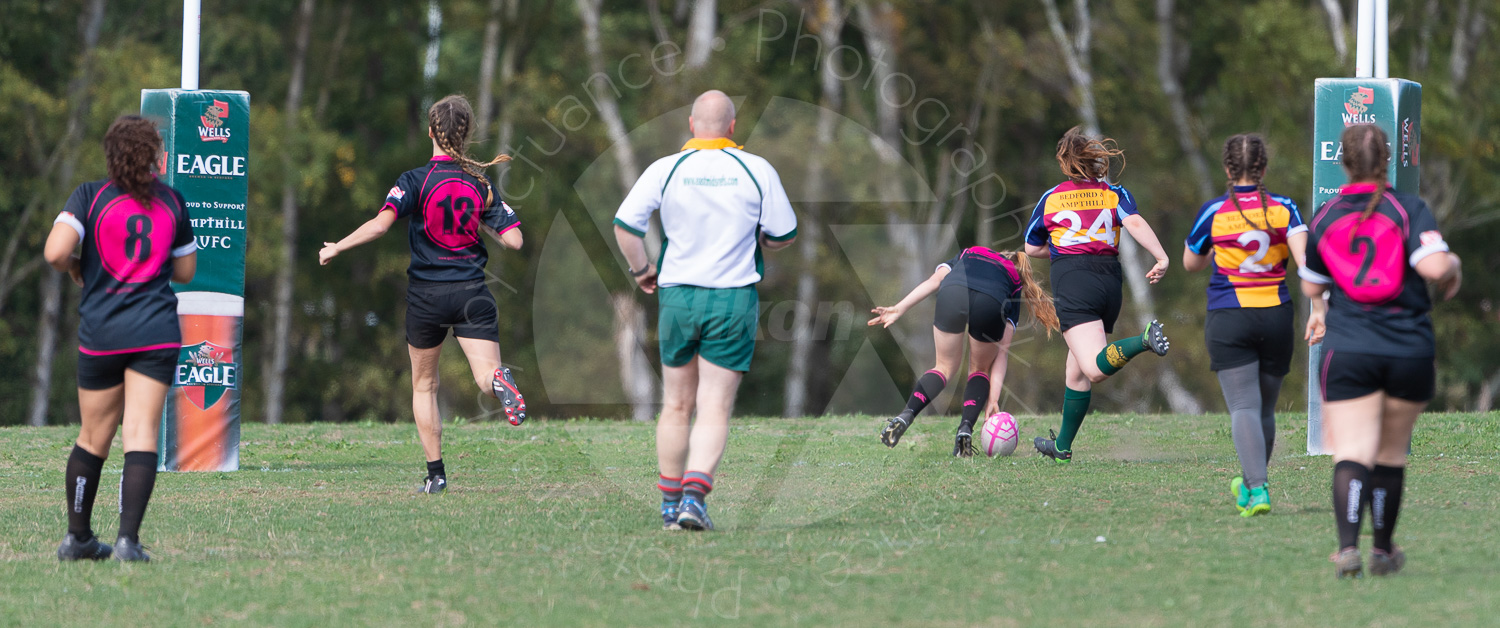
714, 200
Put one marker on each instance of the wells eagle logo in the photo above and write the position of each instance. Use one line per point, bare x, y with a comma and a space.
204, 372
1356, 108
212, 128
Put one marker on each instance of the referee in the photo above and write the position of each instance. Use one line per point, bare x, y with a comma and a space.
720, 206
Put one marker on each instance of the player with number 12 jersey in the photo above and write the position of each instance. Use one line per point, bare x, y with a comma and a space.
449, 205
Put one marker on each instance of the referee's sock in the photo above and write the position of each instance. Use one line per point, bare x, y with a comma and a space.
929, 386
435, 468
1075, 407
135, 491
671, 488
83, 483
1118, 353
697, 485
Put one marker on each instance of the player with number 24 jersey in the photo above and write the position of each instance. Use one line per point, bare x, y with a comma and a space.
1081, 218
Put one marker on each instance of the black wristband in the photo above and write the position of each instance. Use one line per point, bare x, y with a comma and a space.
634, 273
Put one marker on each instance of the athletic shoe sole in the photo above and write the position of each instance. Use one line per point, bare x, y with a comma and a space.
894, 428
1156, 338
508, 394
963, 446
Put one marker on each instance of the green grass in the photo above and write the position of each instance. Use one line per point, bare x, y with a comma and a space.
556, 524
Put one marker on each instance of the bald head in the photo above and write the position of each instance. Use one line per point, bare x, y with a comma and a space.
712, 116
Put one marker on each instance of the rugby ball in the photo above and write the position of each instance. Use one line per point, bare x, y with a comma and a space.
999, 436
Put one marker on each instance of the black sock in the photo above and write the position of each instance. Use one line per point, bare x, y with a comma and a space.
135, 491
83, 483
929, 386
976, 395
1386, 484
435, 468
1351, 490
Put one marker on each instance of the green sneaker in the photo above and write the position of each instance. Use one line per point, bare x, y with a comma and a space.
1241, 496
1260, 502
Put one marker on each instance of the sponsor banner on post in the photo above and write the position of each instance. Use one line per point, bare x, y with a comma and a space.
207, 149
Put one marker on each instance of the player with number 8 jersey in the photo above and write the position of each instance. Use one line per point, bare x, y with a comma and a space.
136, 237
1077, 224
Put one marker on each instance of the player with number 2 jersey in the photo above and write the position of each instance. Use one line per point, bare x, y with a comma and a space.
1246, 235
1374, 249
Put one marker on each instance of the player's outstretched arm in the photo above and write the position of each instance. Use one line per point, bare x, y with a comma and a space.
887, 316
368, 232
1143, 234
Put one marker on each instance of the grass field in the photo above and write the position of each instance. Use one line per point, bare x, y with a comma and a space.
556, 524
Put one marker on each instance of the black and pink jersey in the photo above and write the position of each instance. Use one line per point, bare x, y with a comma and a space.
985, 271
128, 247
1379, 303
446, 207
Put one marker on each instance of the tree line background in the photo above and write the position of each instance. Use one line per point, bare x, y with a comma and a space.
903, 128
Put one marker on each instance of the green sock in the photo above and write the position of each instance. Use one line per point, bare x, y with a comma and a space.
1075, 407
1118, 353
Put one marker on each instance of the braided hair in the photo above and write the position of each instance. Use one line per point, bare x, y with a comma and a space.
1083, 158
1367, 154
450, 121
1245, 158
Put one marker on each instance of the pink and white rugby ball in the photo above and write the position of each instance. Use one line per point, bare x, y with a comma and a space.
999, 436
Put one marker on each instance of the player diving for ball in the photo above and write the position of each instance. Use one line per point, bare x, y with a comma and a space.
136, 236
982, 290
1078, 224
449, 202
720, 206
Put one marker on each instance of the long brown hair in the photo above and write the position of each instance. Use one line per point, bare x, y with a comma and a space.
1245, 158
1083, 158
1367, 154
1037, 298
450, 121
131, 147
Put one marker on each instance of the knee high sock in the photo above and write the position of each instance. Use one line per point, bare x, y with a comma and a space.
135, 491
1118, 353
1386, 484
929, 386
1270, 391
1242, 393
976, 395
1351, 490
83, 484
1075, 407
